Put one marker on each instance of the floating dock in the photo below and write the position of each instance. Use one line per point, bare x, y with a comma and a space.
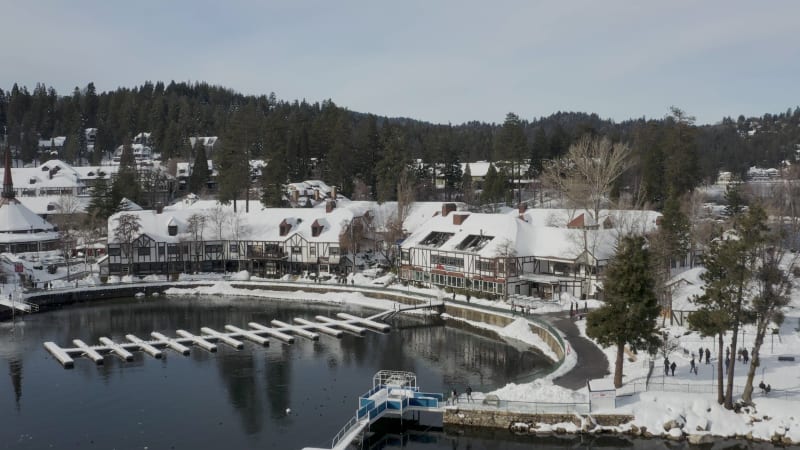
232, 337
393, 394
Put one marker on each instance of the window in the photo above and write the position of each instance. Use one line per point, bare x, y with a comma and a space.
334, 251
436, 239
233, 248
172, 230
486, 265
161, 250
213, 249
312, 250
144, 251
172, 249
405, 256
474, 242
450, 261
295, 249
114, 251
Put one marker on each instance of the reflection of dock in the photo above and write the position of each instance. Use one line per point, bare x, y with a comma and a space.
232, 337
393, 394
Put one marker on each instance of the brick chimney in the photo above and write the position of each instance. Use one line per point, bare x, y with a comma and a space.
447, 208
333, 192
330, 205
159, 208
522, 208
316, 194
295, 196
458, 219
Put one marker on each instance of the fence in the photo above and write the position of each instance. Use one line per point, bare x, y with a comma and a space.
480, 402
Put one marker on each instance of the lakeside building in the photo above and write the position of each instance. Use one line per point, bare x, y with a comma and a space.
21, 230
537, 252
203, 235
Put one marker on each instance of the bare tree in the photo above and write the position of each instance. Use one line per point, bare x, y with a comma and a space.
126, 231
586, 174
392, 226
195, 227
220, 219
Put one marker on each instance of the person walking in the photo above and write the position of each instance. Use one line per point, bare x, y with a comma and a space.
666, 366
708, 356
455, 396
700, 354
692, 366
745, 356
727, 363
673, 366
469, 394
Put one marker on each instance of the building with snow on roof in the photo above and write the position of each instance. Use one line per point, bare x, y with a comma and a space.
537, 252
21, 230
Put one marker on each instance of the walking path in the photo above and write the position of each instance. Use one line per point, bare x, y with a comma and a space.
592, 362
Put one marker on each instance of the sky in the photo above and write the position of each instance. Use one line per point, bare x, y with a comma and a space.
439, 61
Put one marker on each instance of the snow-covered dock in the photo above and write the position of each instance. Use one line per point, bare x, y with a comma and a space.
209, 338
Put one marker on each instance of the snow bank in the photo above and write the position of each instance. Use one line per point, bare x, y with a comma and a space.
518, 330
541, 390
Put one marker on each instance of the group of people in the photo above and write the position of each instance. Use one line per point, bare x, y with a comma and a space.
707, 353
574, 309
468, 391
669, 366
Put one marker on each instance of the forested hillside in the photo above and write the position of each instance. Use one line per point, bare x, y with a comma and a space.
365, 154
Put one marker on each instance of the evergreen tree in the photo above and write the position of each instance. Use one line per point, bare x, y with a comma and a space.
540, 150
200, 174
735, 202
126, 184
494, 186
467, 189
511, 147
273, 179
100, 205
631, 309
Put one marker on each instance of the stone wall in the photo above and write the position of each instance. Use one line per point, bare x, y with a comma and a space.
502, 419
500, 320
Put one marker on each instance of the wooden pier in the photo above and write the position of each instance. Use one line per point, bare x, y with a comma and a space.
232, 337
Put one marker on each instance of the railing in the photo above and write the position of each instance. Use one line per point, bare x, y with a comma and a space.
352, 423
522, 407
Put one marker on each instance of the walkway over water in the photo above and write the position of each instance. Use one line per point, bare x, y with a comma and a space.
393, 393
233, 336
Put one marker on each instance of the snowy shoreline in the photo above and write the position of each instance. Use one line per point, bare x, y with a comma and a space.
670, 415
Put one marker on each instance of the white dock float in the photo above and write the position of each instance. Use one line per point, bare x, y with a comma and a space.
59, 354
88, 351
249, 335
171, 343
197, 340
366, 322
343, 325
296, 330
320, 328
238, 345
116, 348
144, 346
272, 332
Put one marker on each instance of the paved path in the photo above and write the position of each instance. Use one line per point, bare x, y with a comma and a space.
592, 362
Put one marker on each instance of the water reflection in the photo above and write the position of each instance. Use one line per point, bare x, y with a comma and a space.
191, 400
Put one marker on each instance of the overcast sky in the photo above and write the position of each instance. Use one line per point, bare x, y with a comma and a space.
440, 61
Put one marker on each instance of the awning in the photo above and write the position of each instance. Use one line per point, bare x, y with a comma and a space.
545, 278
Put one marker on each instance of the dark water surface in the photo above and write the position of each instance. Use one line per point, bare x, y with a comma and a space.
230, 399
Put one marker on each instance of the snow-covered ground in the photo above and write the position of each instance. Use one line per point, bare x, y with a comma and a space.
686, 405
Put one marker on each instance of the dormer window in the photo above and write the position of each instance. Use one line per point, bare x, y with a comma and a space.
316, 228
91, 174
45, 168
172, 230
285, 227
32, 180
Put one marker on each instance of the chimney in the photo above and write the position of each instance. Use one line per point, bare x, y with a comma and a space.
316, 195
333, 192
159, 208
295, 196
522, 208
458, 219
447, 208
330, 205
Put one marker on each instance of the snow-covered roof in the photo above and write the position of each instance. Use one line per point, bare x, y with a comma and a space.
491, 235
20, 224
207, 141
52, 204
477, 168
633, 220
684, 287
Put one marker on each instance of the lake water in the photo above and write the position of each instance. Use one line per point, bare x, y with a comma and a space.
230, 399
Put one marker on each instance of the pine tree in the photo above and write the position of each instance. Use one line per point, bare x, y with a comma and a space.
630, 313
467, 189
126, 184
100, 205
512, 146
273, 178
199, 177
